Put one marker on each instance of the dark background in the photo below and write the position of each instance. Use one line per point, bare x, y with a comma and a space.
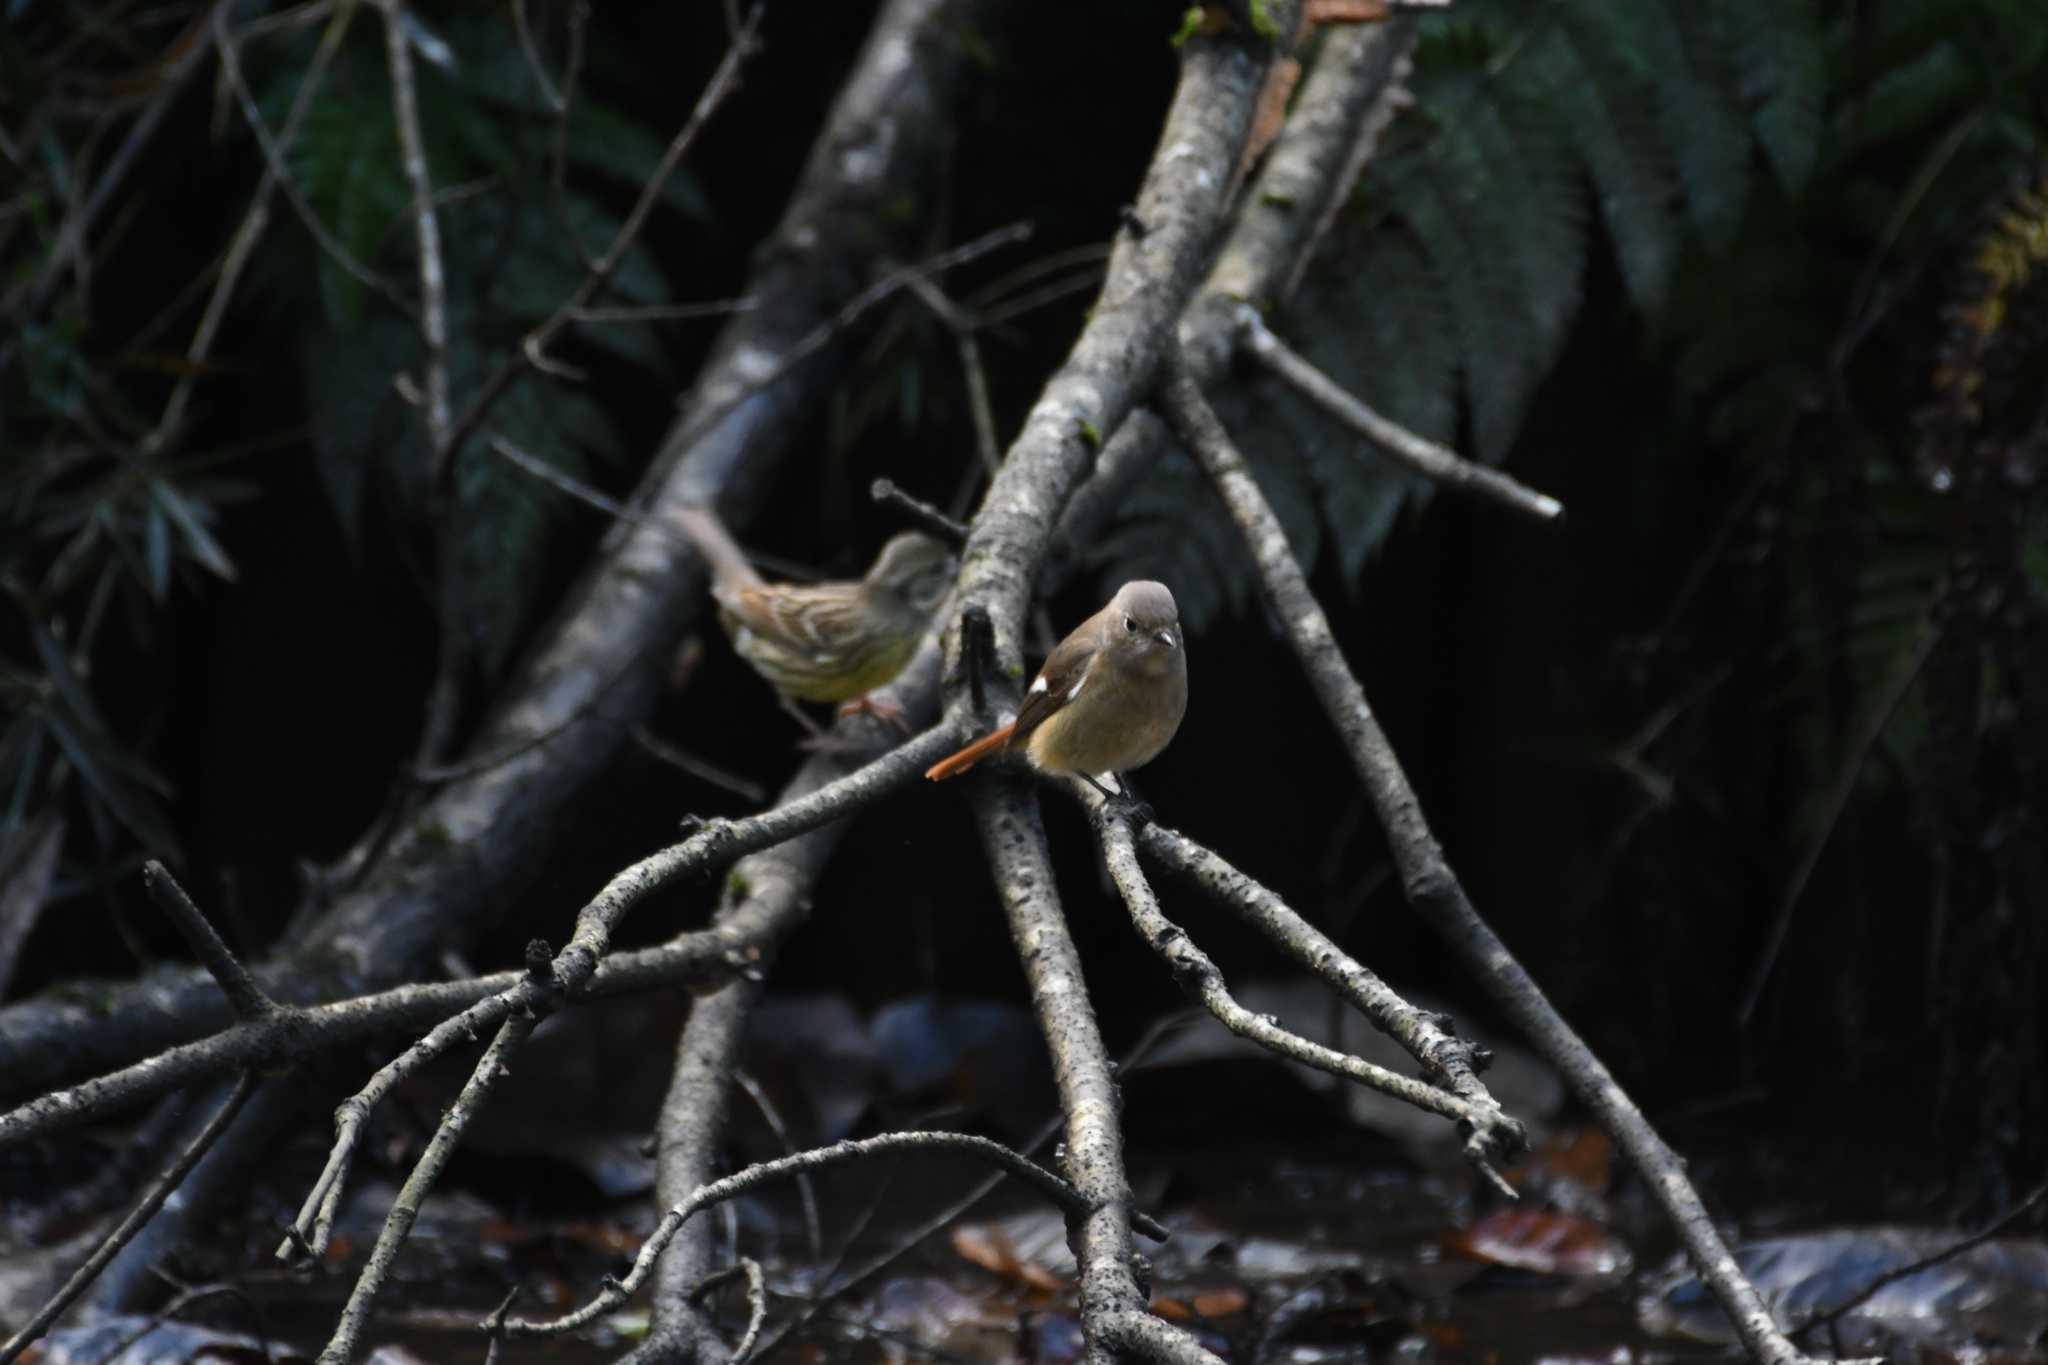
1702, 588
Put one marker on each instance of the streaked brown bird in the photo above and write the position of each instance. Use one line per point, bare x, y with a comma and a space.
1109, 698
824, 642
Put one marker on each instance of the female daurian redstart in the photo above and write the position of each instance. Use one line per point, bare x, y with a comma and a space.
824, 641
1109, 697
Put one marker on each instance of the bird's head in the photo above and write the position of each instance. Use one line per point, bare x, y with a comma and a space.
1144, 625
915, 569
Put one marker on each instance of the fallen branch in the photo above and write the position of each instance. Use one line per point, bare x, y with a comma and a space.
1113, 1304
1429, 883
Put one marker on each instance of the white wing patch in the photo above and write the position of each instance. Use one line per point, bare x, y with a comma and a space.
1038, 683
1075, 690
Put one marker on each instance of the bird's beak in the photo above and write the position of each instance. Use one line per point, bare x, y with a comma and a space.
1167, 638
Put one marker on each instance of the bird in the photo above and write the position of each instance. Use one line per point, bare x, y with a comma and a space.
1109, 698
824, 642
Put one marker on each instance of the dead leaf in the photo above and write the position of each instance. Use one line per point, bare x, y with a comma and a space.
1544, 1241
990, 1247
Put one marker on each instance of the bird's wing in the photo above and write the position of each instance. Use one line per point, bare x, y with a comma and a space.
1060, 681
815, 620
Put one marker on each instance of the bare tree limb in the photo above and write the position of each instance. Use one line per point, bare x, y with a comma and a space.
1353, 88
1431, 886
1113, 1303
689, 1134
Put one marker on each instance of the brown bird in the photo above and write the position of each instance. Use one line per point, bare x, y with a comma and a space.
828, 642
1109, 698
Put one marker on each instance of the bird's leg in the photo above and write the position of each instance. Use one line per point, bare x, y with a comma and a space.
1134, 808
1105, 793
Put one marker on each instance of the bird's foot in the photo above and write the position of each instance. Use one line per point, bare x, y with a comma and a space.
871, 705
1121, 803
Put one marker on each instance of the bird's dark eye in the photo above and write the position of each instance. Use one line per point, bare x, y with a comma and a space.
1130, 625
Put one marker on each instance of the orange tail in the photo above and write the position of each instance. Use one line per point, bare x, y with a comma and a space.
955, 764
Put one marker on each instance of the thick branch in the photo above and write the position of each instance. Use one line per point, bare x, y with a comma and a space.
1150, 277
289, 1036
1353, 90
1113, 1304
688, 1136
1433, 889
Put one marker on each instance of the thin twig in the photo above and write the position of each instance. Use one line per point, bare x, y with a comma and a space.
962, 324
1831, 813
245, 997
616, 1292
255, 221
913, 1237
1947, 1253
426, 226
814, 1227
273, 152
849, 313
1364, 62
743, 787
757, 1308
699, 956
1437, 463
663, 312
533, 348
548, 94
923, 513
145, 1209
190, 50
